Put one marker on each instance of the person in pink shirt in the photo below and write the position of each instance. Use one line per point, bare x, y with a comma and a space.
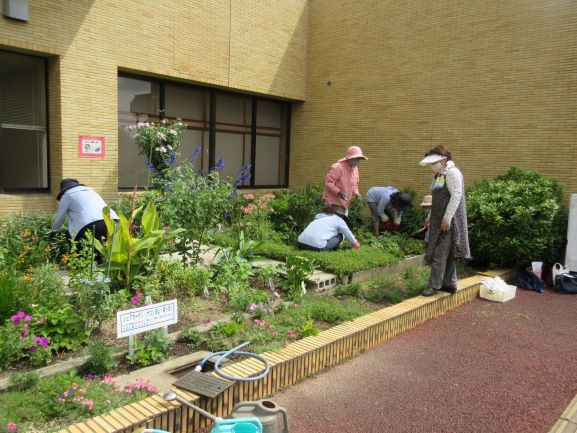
342, 181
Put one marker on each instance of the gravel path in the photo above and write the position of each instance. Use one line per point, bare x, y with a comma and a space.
485, 367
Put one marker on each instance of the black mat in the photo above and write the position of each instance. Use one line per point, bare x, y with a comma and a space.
203, 384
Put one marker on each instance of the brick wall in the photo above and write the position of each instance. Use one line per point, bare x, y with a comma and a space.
247, 45
494, 80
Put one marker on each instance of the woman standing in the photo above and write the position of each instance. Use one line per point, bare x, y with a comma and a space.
448, 236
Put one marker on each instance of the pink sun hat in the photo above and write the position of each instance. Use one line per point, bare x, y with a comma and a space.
354, 152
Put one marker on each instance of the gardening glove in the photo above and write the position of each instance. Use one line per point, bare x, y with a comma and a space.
356, 245
342, 195
388, 225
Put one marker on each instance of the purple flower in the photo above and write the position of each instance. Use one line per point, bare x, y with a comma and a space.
135, 300
32, 349
27, 318
43, 341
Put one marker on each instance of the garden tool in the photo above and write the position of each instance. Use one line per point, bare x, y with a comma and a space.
266, 411
231, 425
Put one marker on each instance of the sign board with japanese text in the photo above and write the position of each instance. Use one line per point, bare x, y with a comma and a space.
142, 319
91, 147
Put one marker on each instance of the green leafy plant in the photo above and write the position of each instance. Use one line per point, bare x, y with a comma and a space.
100, 359
516, 218
308, 329
126, 256
296, 269
61, 325
192, 337
195, 204
151, 349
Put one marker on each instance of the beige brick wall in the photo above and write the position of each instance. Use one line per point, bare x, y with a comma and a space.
247, 45
494, 80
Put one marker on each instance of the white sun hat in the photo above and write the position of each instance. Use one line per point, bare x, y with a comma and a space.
431, 159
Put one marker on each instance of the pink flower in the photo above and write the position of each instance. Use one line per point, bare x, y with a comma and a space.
207, 321
276, 294
135, 300
249, 196
11, 427
25, 328
27, 318
41, 320
160, 135
138, 293
173, 132
74, 386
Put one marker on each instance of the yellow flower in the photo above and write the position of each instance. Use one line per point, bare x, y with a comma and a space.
25, 233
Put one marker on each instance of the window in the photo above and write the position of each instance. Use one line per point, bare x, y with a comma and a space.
23, 121
240, 129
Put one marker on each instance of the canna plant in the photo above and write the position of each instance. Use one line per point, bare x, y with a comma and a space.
127, 256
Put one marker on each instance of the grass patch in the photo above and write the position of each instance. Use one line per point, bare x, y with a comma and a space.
395, 288
340, 262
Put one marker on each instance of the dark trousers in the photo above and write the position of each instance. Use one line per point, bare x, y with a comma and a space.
98, 229
332, 244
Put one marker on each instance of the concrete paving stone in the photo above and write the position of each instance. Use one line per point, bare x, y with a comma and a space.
563, 426
570, 413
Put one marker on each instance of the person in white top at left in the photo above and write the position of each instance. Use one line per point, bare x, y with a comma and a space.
82, 207
326, 232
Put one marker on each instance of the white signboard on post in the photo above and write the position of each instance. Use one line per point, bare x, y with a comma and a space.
142, 319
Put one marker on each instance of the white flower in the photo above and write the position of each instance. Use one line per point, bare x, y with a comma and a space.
169, 147
173, 132
162, 149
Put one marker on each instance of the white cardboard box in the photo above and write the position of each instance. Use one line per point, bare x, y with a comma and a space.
498, 296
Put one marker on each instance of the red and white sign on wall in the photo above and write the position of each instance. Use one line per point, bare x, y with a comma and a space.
91, 147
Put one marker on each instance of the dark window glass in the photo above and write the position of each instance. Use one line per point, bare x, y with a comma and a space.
236, 140
23, 123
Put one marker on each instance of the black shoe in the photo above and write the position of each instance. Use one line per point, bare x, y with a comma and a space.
429, 292
449, 289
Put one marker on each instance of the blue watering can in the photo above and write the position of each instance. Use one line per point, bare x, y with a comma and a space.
241, 425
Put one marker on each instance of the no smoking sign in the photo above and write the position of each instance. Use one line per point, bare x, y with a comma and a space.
92, 147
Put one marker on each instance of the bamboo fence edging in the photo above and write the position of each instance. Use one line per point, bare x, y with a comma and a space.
289, 365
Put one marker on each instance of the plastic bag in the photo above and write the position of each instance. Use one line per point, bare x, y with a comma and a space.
496, 284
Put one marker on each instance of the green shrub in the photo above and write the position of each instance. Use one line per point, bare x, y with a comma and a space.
100, 359
294, 210
516, 218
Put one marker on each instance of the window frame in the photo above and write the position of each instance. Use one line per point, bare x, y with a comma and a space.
212, 124
34, 190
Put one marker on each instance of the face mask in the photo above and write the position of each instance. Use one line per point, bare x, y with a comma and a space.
437, 167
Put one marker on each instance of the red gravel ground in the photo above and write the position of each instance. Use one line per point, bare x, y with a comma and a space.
486, 367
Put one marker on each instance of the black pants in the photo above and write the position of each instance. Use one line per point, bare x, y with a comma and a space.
98, 228
332, 244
